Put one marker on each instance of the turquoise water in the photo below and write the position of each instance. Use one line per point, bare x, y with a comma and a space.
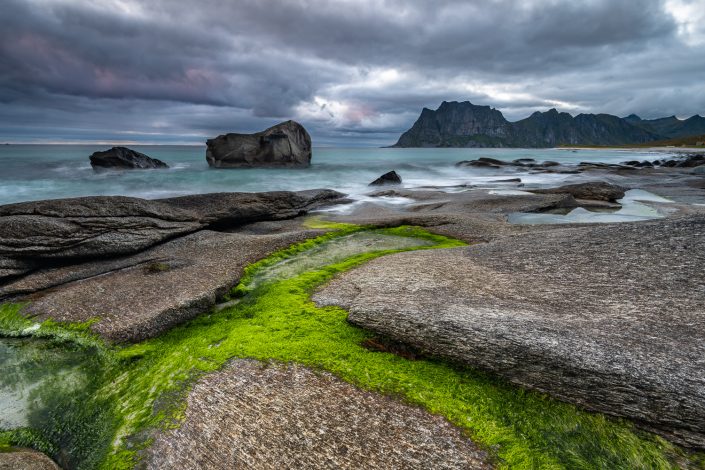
34, 172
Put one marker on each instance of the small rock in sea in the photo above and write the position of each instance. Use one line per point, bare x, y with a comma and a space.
123, 158
388, 178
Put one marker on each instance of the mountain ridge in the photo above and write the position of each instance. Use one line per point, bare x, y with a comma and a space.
463, 124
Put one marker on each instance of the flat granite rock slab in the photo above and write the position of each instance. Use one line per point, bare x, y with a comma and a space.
611, 317
144, 295
273, 416
26, 459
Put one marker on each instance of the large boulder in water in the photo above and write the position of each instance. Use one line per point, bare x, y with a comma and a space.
123, 158
284, 145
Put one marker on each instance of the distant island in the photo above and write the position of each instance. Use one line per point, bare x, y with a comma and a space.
463, 124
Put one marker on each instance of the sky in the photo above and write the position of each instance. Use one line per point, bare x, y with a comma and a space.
353, 72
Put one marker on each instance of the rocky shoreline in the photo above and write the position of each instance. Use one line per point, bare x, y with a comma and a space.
604, 316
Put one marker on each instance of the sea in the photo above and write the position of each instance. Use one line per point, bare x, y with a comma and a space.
35, 172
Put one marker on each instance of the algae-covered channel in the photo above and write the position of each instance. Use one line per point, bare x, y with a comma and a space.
93, 405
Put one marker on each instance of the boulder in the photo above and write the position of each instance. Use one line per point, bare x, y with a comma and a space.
595, 190
388, 178
65, 231
285, 145
123, 158
608, 317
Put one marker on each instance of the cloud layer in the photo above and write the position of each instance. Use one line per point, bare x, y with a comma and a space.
355, 72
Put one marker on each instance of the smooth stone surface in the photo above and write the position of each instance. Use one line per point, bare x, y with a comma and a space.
271, 416
287, 144
609, 317
123, 158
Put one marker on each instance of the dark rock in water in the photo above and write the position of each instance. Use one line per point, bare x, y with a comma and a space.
645, 164
549, 163
123, 158
284, 145
632, 162
523, 161
66, 230
596, 190
508, 180
478, 163
388, 178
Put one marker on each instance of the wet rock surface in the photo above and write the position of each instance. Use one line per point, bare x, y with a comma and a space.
123, 158
255, 415
287, 144
609, 317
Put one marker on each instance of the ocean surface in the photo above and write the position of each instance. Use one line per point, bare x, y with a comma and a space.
34, 172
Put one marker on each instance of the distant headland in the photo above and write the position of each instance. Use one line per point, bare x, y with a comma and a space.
463, 124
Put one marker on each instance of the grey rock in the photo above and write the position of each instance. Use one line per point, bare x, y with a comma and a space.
123, 158
390, 177
596, 190
285, 145
608, 317
699, 170
25, 459
143, 295
65, 231
256, 415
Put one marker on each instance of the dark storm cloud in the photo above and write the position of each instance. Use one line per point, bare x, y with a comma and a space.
350, 70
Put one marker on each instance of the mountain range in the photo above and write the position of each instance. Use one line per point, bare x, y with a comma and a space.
463, 124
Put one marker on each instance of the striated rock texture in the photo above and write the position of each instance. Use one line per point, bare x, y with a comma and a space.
272, 416
464, 124
64, 231
25, 459
610, 317
284, 145
123, 158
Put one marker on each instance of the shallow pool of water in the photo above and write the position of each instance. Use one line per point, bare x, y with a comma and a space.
334, 251
633, 210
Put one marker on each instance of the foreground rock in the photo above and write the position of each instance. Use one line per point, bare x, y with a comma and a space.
25, 459
66, 231
596, 191
609, 317
284, 145
390, 177
254, 415
143, 295
123, 158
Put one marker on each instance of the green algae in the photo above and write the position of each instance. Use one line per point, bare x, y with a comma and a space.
143, 387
